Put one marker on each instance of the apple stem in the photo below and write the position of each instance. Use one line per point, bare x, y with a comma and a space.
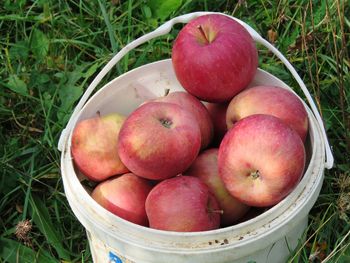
98, 113
255, 174
218, 211
166, 123
200, 28
166, 92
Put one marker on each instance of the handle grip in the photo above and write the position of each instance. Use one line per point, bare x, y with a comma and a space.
165, 29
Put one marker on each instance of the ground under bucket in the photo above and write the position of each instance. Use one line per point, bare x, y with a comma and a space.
269, 237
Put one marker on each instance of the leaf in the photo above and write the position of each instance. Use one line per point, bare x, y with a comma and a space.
39, 44
47, 100
13, 251
91, 70
17, 85
39, 80
276, 70
161, 9
41, 219
70, 90
319, 12
147, 12
19, 50
74, 76
13, 5
68, 95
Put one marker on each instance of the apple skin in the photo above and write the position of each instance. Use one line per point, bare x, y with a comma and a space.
271, 100
159, 140
182, 204
124, 196
195, 107
214, 57
217, 112
94, 147
261, 160
205, 167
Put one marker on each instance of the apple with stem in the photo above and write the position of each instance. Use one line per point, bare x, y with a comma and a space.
214, 57
261, 160
195, 107
159, 140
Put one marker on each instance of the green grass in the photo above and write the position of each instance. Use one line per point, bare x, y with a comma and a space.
50, 52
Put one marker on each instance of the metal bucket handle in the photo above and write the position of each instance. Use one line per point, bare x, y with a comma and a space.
165, 29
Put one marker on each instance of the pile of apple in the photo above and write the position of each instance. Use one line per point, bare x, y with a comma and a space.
199, 159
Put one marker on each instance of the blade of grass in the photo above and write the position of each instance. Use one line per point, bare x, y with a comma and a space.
28, 192
129, 17
338, 65
344, 256
324, 222
13, 251
336, 249
41, 218
315, 60
109, 26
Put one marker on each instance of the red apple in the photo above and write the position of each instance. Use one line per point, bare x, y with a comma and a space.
159, 140
261, 159
124, 196
205, 167
217, 112
94, 147
271, 100
214, 57
195, 107
182, 204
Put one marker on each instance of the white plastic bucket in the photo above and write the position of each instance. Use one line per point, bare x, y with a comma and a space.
268, 237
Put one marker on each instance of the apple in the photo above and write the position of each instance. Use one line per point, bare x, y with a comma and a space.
124, 196
199, 111
94, 147
214, 57
205, 167
217, 112
261, 159
159, 140
271, 100
182, 204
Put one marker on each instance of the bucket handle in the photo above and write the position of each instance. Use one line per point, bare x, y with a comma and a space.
165, 29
